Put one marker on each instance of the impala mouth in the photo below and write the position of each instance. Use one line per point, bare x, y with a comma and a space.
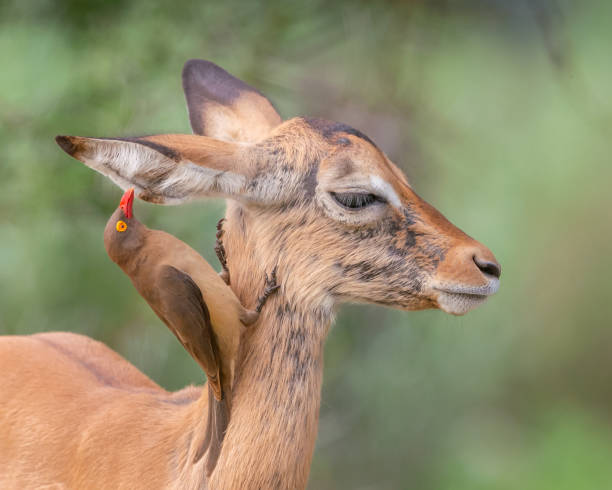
458, 299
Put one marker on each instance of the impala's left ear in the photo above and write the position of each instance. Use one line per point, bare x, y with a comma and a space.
223, 106
173, 168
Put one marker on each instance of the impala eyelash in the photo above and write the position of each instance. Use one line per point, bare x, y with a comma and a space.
355, 200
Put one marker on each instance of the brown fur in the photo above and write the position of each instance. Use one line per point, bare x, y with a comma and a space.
398, 252
193, 301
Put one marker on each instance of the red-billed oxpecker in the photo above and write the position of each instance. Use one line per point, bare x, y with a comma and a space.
193, 300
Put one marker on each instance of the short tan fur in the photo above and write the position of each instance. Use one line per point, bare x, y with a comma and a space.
315, 199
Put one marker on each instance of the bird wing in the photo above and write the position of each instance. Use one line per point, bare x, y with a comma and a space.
218, 420
184, 310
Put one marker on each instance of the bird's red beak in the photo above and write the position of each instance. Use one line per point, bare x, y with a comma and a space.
126, 202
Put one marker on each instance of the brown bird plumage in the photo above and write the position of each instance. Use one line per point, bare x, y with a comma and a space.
190, 297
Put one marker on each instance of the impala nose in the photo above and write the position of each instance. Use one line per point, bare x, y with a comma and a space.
468, 268
488, 267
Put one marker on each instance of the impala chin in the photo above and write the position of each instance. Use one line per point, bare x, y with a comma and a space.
458, 299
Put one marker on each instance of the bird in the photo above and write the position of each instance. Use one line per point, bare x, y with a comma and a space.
194, 302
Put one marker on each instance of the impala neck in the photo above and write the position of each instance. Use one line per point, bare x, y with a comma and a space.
270, 440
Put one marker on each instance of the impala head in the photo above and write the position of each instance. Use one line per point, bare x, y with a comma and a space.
318, 198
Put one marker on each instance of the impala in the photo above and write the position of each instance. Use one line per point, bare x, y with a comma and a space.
315, 200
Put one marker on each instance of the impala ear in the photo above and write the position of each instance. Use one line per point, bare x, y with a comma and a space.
172, 168
224, 107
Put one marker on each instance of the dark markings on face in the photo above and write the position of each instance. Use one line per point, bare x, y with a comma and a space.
433, 250
330, 129
272, 153
397, 277
405, 237
404, 242
310, 181
273, 165
367, 271
275, 161
393, 279
410, 216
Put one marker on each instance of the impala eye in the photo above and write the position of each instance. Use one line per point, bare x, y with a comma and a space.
355, 200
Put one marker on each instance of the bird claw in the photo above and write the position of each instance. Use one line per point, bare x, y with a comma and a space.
220, 251
220, 230
271, 286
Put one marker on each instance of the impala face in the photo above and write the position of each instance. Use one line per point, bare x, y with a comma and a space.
339, 217
375, 240
404, 253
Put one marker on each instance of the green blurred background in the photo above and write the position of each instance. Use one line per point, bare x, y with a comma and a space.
500, 114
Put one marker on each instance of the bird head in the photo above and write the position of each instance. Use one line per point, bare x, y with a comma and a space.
125, 206
123, 234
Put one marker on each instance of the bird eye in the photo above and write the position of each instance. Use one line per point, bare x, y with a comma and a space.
355, 200
121, 226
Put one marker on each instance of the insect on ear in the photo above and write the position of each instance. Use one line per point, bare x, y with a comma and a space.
121, 226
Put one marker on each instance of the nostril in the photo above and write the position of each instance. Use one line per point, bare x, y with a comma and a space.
488, 267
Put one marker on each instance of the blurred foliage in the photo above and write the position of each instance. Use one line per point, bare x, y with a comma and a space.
498, 111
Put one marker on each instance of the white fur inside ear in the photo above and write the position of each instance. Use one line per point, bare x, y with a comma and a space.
122, 160
195, 180
161, 179
385, 190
